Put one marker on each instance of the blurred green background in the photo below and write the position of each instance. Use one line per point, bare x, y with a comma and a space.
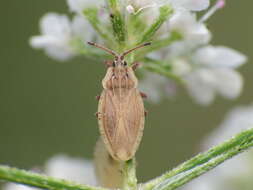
47, 107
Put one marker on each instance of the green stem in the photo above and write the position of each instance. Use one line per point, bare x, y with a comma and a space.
202, 163
158, 44
129, 173
161, 68
118, 23
169, 181
165, 12
92, 16
41, 181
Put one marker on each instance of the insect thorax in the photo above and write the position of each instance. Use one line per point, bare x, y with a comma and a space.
119, 77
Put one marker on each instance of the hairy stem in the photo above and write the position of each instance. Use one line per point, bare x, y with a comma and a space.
202, 163
158, 44
92, 16
129, 175
165, 12
41, 181
118, 23
169, 181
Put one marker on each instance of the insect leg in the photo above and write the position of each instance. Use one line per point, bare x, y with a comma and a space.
145, 113
135, 65
98, 114
98, 97
143, 95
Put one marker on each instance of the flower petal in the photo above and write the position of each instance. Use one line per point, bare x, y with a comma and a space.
14, 186
61, 54
79, 5
219, 56
229, 82
193, 5
78, 170
151, 85
57, 34
180, 67
200, 85
55, 24
54, 47
82, 29
194, 33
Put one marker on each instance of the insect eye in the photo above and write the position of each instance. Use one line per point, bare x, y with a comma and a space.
125, 63
113, 64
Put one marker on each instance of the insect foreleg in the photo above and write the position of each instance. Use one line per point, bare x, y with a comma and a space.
135, 65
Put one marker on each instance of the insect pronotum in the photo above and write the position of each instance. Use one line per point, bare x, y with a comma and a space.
121, 112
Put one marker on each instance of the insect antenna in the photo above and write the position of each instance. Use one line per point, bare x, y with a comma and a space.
103, 48
133, 49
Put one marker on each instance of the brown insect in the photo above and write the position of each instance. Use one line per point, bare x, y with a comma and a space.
121, 112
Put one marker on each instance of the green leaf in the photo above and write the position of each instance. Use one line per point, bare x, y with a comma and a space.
41, 181
202, 163
158, 44
165, 12
161, 68
92, 16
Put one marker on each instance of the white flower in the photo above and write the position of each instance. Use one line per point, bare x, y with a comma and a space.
135, 6
79, 5
150, 8
208, 71
64, 167
73, 169
193, 32
58, 34
234, 174
219, 57
213, 73
82, 30
180, 67
156, 87
191, 5
55, 38
203, 84
13, 186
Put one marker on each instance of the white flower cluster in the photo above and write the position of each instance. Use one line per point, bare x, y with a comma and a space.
207, 70
63, 167
59, 33
234, 174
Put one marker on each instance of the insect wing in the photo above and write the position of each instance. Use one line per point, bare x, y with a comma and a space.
121, 122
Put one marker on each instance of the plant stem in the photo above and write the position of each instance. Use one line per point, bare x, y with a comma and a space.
161, 68
169, 181
41, 181
129, 175
202, 163
118, 23
92, 16
165, 12
167, 74
158, 44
